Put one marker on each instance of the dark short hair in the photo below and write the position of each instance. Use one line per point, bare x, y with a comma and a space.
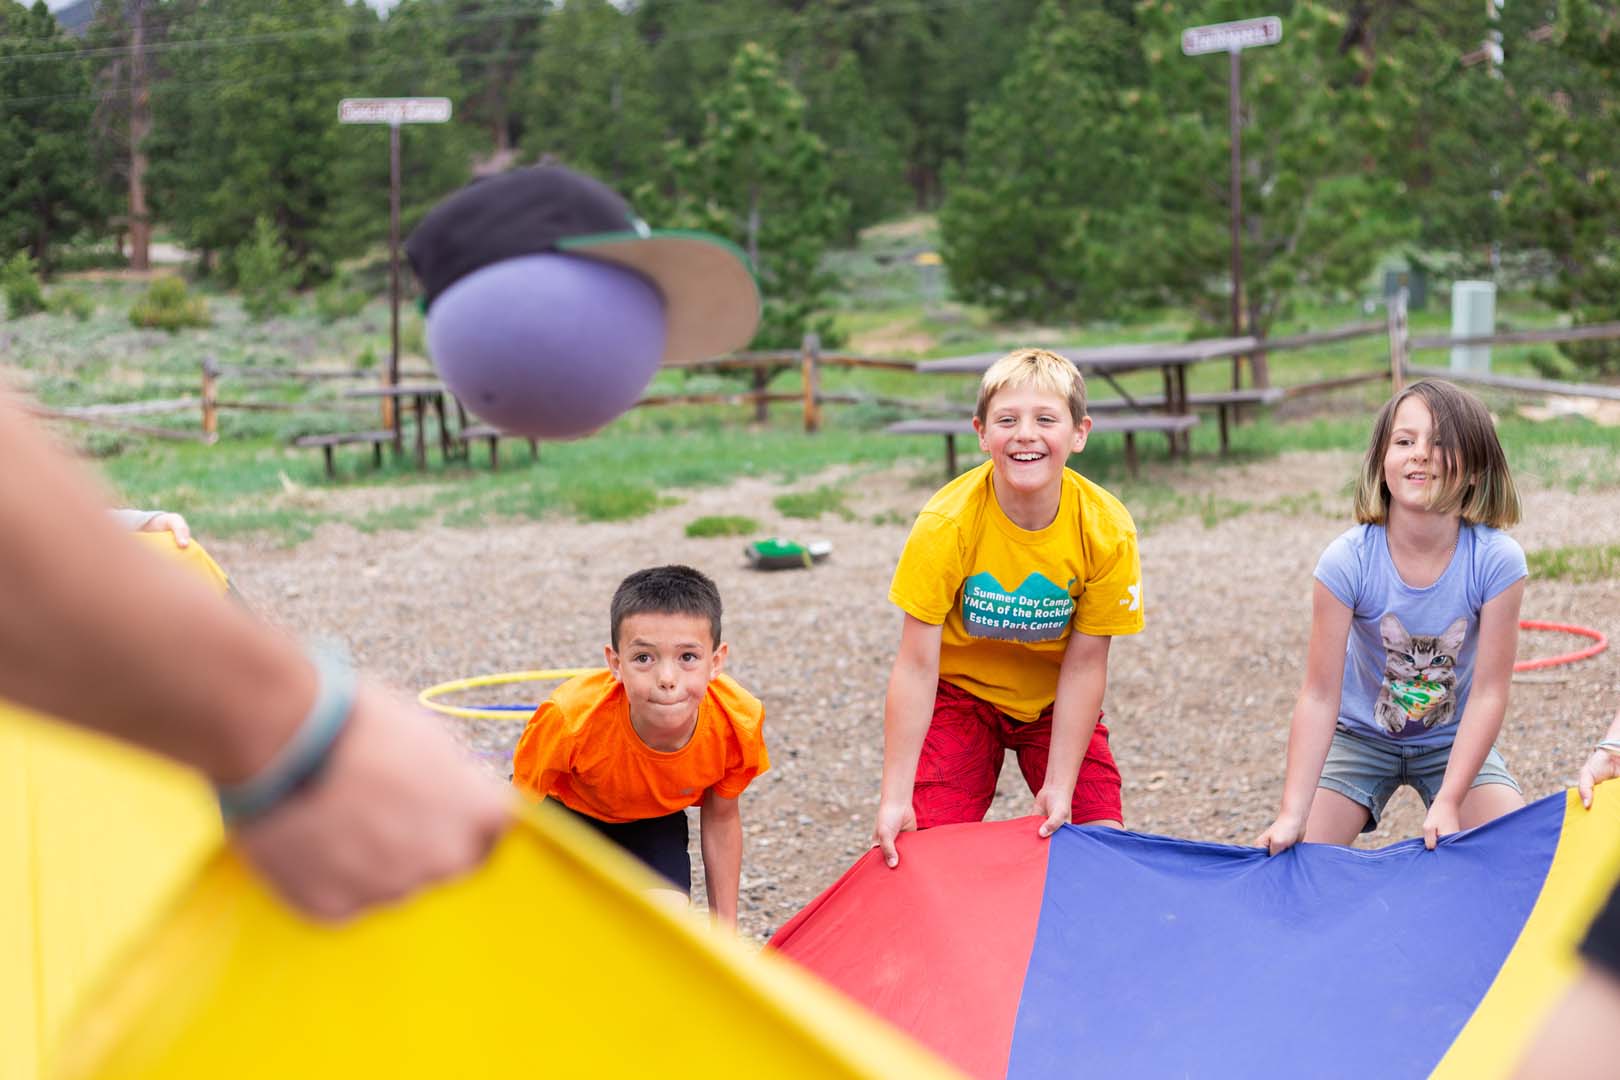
667, 590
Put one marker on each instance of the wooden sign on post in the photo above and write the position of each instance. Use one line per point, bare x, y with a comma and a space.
393, 112
1232, 38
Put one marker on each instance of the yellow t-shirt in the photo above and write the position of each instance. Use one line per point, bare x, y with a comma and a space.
1007, 596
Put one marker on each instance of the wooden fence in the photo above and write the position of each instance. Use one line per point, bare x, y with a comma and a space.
810, 361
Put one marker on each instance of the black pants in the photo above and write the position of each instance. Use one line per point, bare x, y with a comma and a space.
658, 842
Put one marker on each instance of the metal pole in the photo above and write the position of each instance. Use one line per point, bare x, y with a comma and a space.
1234, 108
393, 262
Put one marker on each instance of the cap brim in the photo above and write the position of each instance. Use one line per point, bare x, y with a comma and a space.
711, 301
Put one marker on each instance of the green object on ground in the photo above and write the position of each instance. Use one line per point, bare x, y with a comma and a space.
781, 554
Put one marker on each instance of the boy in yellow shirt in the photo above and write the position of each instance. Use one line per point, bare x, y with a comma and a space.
1016, 577
628, 749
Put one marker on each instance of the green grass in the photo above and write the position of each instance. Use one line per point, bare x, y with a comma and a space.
722, 525
1595, 562
252, 482
813, 504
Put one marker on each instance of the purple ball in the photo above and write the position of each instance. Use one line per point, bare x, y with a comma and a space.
547, 346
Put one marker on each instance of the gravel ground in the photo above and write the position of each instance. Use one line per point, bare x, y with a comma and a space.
1198, 704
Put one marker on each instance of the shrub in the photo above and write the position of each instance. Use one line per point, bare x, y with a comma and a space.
75, 302
24, 296
168, 306
264, 273
722, 525
338, 299
812, 504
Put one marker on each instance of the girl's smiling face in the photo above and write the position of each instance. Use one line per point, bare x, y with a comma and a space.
1414, 465
1029, 434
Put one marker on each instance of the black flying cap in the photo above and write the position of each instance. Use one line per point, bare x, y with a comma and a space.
711, 302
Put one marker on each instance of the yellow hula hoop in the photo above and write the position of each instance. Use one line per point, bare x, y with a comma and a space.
426, 697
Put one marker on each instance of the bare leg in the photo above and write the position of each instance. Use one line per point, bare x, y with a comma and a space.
1334, 819
1487, 802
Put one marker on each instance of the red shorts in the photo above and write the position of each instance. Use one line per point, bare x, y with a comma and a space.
962, 756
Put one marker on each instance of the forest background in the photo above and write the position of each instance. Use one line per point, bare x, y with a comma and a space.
1075, 158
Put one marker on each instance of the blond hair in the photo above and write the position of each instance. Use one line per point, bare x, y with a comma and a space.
1476, 484
1045, 371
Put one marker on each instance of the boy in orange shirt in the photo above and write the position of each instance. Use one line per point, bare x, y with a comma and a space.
628, 749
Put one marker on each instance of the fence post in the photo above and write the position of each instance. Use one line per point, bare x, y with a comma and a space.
812, 383
210, 401
1397, 341
762, 408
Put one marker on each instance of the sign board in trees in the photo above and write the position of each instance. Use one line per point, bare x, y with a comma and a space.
393, 112
1231, 36
434, 110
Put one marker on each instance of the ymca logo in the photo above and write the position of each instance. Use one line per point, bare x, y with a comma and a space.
1134, 600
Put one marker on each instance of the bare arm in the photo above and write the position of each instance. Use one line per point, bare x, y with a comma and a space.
1580, 1039
396, 805
1315, 714
1487, 704
1603, 764
907, 712
1082, 681
720, 835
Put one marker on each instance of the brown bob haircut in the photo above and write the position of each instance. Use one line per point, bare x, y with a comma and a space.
1045, 371
1476, 484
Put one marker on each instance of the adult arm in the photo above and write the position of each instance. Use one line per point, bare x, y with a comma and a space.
1082, 681
907, 712
720, 836
1604, 764
107, 636
1316, 712
1482, 719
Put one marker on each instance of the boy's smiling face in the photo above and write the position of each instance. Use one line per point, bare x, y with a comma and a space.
666, 662
1029, 434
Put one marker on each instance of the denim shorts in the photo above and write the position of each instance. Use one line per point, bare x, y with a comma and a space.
1368, 770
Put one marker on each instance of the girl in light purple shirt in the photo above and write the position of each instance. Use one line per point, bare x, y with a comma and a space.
1414, 626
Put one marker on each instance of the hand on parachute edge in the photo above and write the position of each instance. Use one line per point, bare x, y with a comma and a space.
396, 807
892, 820
1282, 834
1601, 766
1443, 819
1056, 808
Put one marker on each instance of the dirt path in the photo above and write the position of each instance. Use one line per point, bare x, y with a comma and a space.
1199, 703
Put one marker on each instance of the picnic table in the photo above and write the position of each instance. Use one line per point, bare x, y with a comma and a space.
423, 395
1171, 358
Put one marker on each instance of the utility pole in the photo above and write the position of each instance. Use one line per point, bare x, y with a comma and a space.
140, 126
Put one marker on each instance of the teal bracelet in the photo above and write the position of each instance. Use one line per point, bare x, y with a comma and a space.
1611, 745
297, 762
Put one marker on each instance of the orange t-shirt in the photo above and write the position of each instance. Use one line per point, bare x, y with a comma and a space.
580, 749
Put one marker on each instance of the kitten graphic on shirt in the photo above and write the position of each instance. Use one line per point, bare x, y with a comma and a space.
1419, 691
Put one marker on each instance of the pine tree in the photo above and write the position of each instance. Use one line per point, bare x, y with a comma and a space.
1566, 202
1320, 117
49, 190
760, 177
588, 98
867, 167
1039, 220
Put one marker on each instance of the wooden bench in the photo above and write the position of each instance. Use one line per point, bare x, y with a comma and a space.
346, 438
1226, 404
1128, 424
469, 434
